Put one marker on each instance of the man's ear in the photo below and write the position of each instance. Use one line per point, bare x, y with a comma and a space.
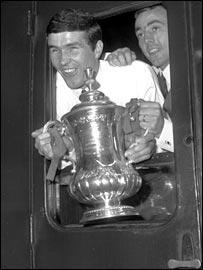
98, 49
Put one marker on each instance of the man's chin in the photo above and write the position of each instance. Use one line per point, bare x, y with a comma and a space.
155, 63
74, 85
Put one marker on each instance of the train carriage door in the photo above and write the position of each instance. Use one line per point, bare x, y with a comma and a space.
15, 139
167, 235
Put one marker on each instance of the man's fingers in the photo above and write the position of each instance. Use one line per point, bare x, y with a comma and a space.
140, 151
139, 158
130, 57
125, 57
42, 143
115, 61
150, 112
121, 57
44, 150
44, 137
37, 132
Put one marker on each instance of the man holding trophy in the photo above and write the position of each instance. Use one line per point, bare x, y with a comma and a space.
71, 51
75, 46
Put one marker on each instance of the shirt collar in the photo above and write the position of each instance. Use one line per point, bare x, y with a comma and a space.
166, 74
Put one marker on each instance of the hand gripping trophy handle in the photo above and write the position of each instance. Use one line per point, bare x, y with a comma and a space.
57, 131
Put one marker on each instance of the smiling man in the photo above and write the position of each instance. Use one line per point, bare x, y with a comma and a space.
75, 43
151, 29
70, 54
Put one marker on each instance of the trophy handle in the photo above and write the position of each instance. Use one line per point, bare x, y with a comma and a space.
67, 131
62, 129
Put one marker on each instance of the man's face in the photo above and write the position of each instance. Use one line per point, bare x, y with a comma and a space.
152, 32
71, 54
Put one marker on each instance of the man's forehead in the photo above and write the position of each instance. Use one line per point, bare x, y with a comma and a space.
66, 36
158, 14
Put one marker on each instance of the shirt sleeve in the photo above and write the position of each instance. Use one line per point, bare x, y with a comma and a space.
165, 140
146, 83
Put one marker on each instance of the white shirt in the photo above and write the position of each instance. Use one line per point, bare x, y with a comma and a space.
120, 84
167, 76
165, 140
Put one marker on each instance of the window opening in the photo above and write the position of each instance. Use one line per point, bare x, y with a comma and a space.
156, 201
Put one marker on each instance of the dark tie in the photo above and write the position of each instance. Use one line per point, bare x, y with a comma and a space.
162, 84
166, 94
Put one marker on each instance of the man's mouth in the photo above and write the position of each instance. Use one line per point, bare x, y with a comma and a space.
69, 71
153, 51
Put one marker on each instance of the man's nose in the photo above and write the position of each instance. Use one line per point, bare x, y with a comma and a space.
148, 36
65, 57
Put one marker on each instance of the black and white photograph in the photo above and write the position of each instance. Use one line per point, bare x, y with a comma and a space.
101, 134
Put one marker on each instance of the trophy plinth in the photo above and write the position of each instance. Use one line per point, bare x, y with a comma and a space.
108, 212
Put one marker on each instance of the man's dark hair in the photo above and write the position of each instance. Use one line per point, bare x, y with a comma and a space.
76, 20
137, 12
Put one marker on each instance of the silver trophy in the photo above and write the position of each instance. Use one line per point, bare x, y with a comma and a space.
103, 177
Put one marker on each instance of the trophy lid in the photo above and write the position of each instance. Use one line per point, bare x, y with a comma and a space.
90, 94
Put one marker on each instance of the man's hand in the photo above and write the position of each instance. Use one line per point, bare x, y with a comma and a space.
141, 149
51, 142
151, 117
60, 143
147, 120
121, 57
43, 143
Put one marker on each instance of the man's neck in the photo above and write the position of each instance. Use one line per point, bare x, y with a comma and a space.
165, 68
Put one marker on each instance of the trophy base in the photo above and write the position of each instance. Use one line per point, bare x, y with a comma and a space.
108, 212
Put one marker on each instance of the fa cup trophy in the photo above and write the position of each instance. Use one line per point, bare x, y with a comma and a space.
103, 177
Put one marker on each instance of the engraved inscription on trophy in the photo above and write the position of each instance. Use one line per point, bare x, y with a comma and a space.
90, 118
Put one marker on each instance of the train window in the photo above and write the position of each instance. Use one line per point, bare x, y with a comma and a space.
155, 202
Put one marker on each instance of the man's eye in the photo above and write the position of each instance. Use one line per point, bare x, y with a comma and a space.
139, 34
155, 28
73, 48
53, 50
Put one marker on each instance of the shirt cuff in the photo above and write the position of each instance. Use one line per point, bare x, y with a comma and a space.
72, 157
165, 140
106, 55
